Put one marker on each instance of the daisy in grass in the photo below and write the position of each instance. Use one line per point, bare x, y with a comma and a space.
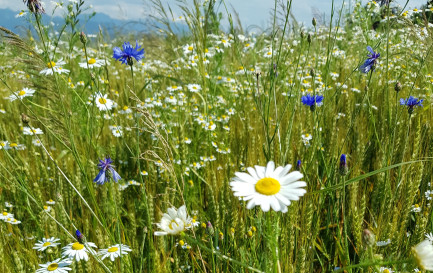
25, 92
46, 243
174, 222
21, 14
92, 63
423, 254
56, 67
116, 130
194, 87
268, 187
13, 221
56, 266
6, 215
32, 131
114, 251
103, 103
77, 251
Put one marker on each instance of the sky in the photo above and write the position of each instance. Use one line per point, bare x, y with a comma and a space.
251, 12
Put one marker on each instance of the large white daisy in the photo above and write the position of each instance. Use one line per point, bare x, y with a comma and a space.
423, 253
268, 187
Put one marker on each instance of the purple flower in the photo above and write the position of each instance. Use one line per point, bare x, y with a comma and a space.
343, 165
79, 236
34, 6
104, 166
370, 63
298, 165
411, 103
311, 100
126, 54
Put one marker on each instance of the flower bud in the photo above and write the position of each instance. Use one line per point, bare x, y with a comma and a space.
309, 38
80, 237
25, 119
314, 22
298, 165
397, 87
209, 228
83, 38
343, 165
368, 237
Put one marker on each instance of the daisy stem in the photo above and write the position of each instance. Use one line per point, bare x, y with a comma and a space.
219, 255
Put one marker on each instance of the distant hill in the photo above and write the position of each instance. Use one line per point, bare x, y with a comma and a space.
108, 24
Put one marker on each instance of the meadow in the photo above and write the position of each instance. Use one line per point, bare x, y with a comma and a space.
220, 149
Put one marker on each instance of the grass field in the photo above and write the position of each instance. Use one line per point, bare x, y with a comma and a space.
115, 159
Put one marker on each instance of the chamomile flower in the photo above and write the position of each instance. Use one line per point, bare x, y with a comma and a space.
92, 63
114, 252
174, 222
423, 254
13, 221
103, 102
192, 87
77, 251
21, 14
5, 215
144, 173
32, 131
46, 243
25, 92
56, 266
116, 130
55, 67
268, 187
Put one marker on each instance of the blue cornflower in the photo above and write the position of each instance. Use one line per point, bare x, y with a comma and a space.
411, 103
79, 236
312, 100
128, 52
298, 165
343, 165
104, 166
34, 6
370, 62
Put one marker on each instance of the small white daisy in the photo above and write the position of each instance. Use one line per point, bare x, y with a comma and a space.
192, 87
56, 266
92, 63
5, 215
77, 251
268, 187
56, 67
114, 251
32, 131
46, 243
103, 103
25, 92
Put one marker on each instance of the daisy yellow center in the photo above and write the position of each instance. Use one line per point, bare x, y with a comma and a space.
268, 186
45, 207
125, 108
52, 267
269, 53
46, 244
77, 246
51, 64
22, 93
5, 213
386, 270
190, 48
13, 145
102, 101
91, 61
113, 249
